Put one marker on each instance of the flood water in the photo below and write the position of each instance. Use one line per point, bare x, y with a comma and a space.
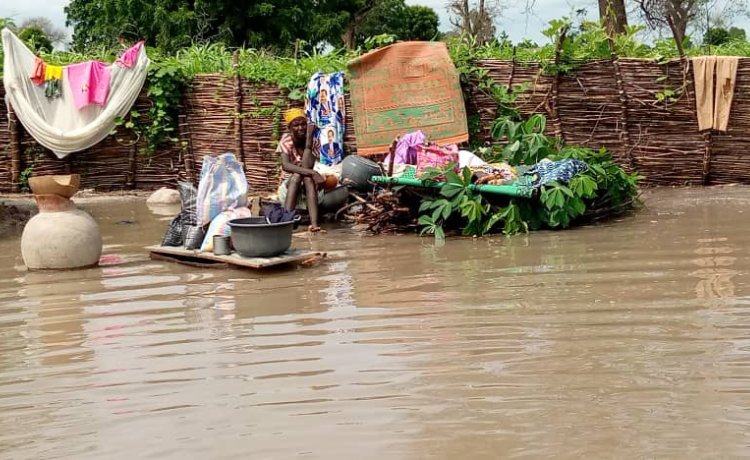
624, 340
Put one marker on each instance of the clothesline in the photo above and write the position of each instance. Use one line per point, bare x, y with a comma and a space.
77, 105
89, 81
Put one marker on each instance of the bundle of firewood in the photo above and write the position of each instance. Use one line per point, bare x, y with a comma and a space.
385, 212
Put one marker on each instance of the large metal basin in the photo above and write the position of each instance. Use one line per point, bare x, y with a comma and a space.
254, 237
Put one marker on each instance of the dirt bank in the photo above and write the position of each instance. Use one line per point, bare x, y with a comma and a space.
13, 217
17, 209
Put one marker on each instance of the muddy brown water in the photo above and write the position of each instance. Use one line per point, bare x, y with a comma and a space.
624, 340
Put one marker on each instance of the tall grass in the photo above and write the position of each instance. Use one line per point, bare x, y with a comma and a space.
258, 65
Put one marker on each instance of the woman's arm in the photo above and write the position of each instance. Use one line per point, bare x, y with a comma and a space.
288, 165
308, 159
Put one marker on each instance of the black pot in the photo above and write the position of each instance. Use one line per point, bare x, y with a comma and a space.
255, 237
356, 171
334, 199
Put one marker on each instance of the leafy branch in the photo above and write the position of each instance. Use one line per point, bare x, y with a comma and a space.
166, 84
604, 185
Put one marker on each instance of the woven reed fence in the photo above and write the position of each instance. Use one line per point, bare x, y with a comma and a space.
608, 103
614, 104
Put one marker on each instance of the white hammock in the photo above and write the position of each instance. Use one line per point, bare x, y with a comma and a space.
56, 123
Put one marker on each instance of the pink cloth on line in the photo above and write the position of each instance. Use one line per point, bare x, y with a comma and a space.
89, 83
130, 55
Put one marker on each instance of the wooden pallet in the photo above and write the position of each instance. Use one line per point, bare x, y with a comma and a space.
199, 259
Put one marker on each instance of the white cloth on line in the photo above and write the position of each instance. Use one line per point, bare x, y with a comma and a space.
56, 123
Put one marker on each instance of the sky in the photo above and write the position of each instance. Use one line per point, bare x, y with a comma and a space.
515, 20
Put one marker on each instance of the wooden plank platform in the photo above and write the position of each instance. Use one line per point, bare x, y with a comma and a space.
208, 260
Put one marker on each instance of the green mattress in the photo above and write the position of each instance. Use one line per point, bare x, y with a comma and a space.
409, 179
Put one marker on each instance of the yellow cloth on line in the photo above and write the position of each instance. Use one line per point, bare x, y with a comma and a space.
53, 72
714, 78
726, 74
703, 74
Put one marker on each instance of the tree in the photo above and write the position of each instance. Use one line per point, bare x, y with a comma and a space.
700, 15
420, 23
614, 16
56, 35
478, 22
716, 36
403, 21
355, 21
721, 14
36, 39
674, 14
173, 24
103, 22
737, 35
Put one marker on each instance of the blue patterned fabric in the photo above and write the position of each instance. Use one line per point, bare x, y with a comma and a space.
324, 106
547, 171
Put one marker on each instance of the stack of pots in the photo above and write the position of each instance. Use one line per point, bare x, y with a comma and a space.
60, 236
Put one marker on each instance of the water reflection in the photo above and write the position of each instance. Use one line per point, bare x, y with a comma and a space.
715, 274
628, 338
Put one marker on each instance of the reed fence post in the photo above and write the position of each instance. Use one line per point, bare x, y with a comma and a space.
187, 159
554, 113
512, 70
707, 135
707, 151
15, 150
67, 163
238, 107
623, 95
130, 177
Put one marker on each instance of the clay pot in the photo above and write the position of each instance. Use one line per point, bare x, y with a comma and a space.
65, 185
60, 236
53, 203
61, 240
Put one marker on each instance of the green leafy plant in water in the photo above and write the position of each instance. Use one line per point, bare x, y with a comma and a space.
604, 185
458, 204
431, 226
457, 200
524, 142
